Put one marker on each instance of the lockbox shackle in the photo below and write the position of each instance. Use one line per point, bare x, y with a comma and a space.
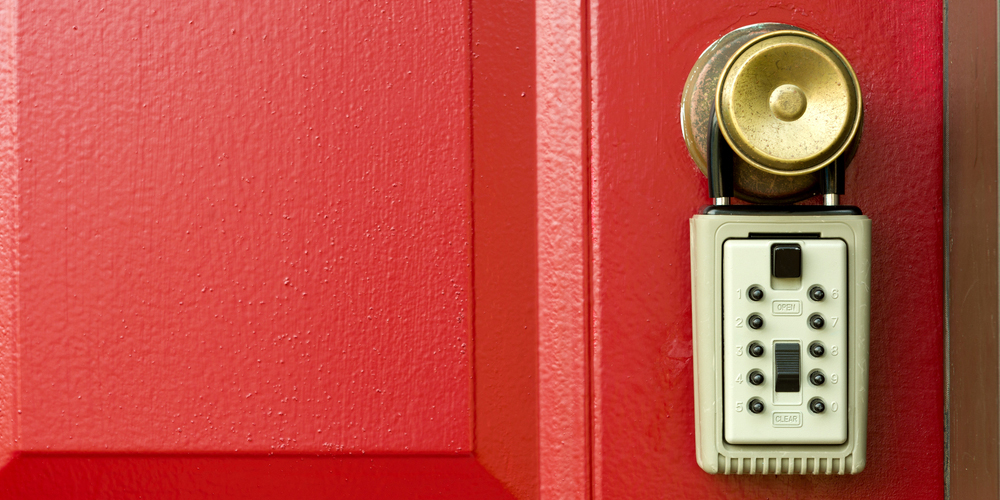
720, 170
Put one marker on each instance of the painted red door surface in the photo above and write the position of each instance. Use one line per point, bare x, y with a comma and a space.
410, 249
644, 188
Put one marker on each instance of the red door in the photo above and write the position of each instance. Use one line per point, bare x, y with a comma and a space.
409, 249
645, 188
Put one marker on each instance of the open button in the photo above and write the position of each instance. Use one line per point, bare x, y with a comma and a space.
786, 260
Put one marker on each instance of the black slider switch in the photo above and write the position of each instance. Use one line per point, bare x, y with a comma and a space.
786, 367
786, 260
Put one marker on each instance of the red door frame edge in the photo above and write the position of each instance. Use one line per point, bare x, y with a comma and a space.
563, 249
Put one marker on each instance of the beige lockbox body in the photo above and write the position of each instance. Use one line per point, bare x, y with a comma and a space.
781, 360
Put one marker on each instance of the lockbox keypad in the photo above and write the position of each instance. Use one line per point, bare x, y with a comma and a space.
784, 336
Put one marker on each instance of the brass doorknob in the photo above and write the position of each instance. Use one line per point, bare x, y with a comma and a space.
789, 103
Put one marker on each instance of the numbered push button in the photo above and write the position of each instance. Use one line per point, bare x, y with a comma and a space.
816, 349
816, 377
816, 293
755, 349
755, 405
816, 405
755, 293
754, 321
816, 321
755, 377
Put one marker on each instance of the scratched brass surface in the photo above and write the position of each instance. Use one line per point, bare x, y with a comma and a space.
751, 183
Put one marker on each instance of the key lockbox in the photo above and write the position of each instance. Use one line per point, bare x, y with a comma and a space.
780, 290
